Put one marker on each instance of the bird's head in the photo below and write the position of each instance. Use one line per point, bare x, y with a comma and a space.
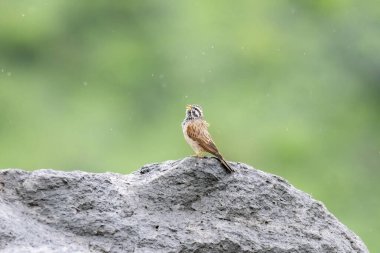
194, 112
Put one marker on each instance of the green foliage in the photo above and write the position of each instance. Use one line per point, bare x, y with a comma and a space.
290, 87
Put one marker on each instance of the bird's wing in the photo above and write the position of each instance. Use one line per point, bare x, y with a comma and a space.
198, 132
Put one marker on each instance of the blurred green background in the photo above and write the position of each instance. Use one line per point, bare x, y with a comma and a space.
289, 87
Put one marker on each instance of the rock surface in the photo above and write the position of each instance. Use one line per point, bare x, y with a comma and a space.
189, 205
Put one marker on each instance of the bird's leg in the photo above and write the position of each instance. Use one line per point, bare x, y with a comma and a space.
199, 154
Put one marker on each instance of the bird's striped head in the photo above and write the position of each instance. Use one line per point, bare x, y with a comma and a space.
194, 112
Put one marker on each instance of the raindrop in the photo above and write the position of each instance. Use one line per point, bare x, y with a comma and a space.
212, 46
203, 53
2, 70
161, 76
9, 73
85, 83
22, 15
188, 97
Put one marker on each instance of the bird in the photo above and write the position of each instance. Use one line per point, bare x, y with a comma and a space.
195, 131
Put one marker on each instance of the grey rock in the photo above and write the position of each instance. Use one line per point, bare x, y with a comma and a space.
189, 205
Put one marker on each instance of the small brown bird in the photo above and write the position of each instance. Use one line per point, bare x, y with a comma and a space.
194, 129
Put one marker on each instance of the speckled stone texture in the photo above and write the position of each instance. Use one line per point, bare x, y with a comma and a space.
189, 205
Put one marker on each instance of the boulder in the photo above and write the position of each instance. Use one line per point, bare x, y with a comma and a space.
188, 205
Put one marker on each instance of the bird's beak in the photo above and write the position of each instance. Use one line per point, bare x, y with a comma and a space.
188, 107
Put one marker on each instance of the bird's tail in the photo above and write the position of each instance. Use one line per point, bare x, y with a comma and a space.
225, 164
